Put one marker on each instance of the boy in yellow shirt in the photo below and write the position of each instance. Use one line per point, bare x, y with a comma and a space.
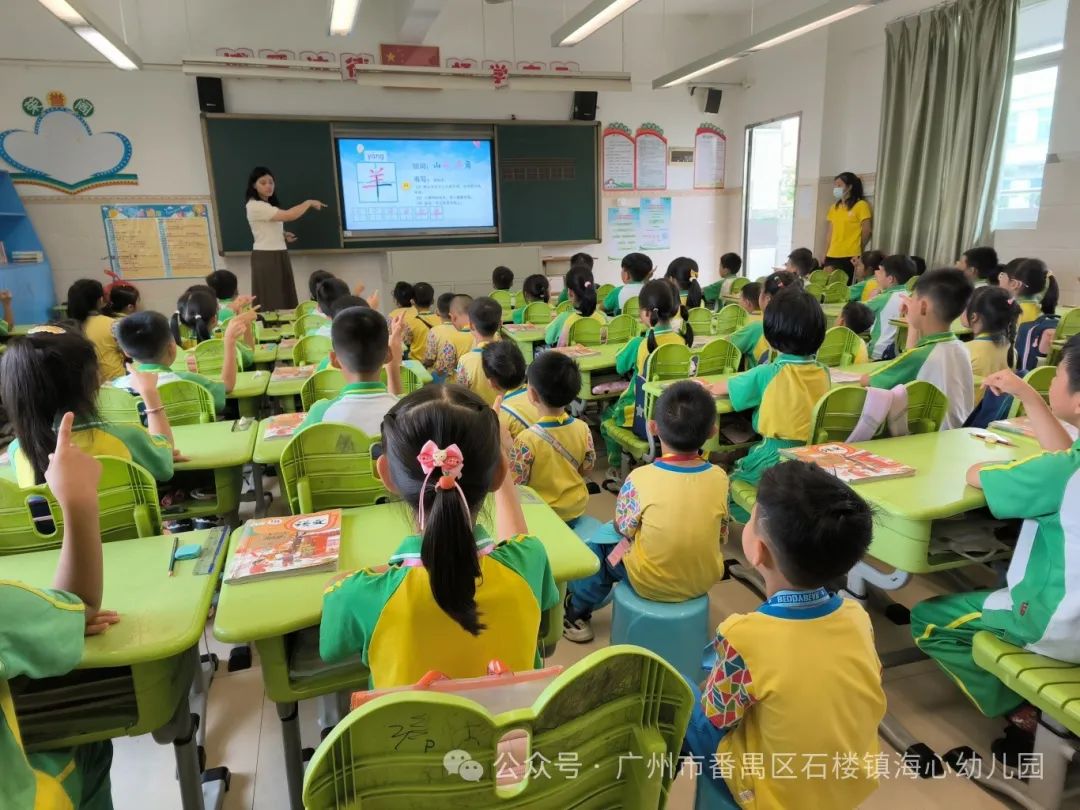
485, 320
555, 452
449, 341
670, 517
504, 367
807, 529
420, 320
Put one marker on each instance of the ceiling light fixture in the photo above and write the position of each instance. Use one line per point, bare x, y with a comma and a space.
342, 16
589, 20
96, 34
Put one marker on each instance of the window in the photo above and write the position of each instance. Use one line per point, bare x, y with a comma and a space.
1040, 39
772, 151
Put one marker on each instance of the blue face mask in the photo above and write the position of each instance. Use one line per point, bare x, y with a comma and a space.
838, 193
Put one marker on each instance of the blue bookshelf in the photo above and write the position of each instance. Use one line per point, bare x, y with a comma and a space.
31, 284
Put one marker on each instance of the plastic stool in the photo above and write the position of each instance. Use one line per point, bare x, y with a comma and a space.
676, 631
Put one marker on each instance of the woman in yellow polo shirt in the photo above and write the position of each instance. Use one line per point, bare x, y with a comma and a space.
847, 231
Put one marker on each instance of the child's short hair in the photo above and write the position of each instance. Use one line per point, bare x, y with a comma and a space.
223, 283
315, 279
536, 288
555, 378
503, 364
751, 293
361, 339
814, 524
443, 304
423, 294
328, 291
685, 415
403, 294
346, 301
502, 278
459, 304
637, 266
858, 317
582, 259
920, 264
485, 315
802, 259
948, 291
1070, 358
732, 262
983, 260
899, 266
872, 259
794, 322
144, 336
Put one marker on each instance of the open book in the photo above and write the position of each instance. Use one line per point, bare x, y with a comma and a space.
280, 546
1022, 426
577, 350
849, 463
841, 377
285, 373
287, 343
520, 327
283, 425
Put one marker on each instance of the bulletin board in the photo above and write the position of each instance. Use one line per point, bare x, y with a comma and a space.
158, 241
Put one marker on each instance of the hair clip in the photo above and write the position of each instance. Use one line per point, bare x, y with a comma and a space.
47, 329
693, 275
451, 462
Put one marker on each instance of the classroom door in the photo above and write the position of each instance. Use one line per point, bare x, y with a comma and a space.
772, 155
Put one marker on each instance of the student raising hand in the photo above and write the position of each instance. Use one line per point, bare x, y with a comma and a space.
73, 477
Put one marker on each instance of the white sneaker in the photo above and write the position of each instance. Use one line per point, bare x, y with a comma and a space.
577, 630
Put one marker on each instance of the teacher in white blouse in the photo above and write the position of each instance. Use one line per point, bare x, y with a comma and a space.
272, 281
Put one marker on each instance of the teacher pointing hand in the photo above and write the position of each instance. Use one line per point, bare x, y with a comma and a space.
272, 281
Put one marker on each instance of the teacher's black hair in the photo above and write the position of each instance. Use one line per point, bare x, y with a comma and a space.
251, 194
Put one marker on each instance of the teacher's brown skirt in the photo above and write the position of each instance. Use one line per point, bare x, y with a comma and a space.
272, 281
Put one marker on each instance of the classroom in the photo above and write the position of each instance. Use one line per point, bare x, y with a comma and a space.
516, 403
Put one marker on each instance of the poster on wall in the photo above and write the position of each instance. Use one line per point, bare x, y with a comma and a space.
158, 241
618, 157
650, 157
623, 230
710, 156
655, 223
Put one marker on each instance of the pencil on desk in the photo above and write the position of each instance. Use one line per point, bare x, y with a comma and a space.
172, 556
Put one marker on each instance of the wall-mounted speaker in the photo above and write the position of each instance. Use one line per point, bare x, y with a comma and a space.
712, 100
211, 94
584, 106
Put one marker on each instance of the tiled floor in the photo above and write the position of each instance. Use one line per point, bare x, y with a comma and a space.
243, 730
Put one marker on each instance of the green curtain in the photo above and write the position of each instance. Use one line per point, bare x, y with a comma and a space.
947, 77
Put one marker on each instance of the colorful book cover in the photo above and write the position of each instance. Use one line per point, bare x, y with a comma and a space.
287, 343
1022, 425
283, 425
849, 463
577, 350
514, 328
840, 377
287, 373
280, 546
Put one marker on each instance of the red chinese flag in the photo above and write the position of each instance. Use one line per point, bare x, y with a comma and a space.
409, 55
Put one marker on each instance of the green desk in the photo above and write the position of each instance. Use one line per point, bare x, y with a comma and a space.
222, 450
267, 612
146, 662
248, 391
265, 354
266, 334
526, 339
284, 350
598, 365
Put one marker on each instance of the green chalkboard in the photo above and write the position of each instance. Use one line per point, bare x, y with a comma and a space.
546, 180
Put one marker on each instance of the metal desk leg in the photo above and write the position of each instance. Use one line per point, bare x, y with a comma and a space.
289, 714
198, 790
257, 488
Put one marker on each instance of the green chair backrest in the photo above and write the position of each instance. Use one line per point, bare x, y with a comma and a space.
565, 306
911, 282
329, 466
309, 323
505, 299
602, 292
538, 313
1069, 325
17, 531
118, 406
836, 414
816, 289
187, 403
1039, 379
325, 384
210, 357
701, 320
671, 361
409, 381
819, 277
738, 284
128, 499
631, 307
718, 356
305, 308
927, 406
310, 349
836, 292
613, 713
587, 332
621, 328
839, 347
730, 318
838, 276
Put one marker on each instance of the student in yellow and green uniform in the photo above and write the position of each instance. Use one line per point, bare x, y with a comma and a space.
196, 320
683, 271
750, 337
992, 314
673, 512
577, 260
1039, 608
41, 636
807, 530
849, 223
553, 454
420, 320
225, 286
449, 342
403, 294
891, 278
86, 306
636, 269
485, 320
782, 393
1033, 285
857, 317
534, 289
504, 367
582, 291
865, 286
453, 597
659, 305
980, 265
730, 265
53, 371
502, 280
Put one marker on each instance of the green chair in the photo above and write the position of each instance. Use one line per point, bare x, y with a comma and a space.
587, 332
210, 357
670, 361
701, 320
744, 494
718, 356
738, 284
310, 350
836, 414
18, 533
839, 347
729, 319
819, 278
838, 276
127, 500
309, 323
911, 282
621, 328
305, 308
329, 466
538, 313
1039, 379
325, 384
409, 381
565, 306
187, 403
836, 292
1069, 325
506, 301
118, 406
602, 292
816, 289
631, 307
613, 713
927, 406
